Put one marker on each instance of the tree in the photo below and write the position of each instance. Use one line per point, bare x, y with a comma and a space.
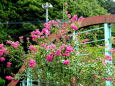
31, 11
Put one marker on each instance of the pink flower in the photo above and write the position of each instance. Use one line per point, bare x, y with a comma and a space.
52, 53
69, 16
69, 49
113, 76
108, 79
9, 42
32, 63
49, 58
65, 36
48, 25
74, 18
112, 50
74, 27
9, 77
66, 54
43, 45
62, 47
21, 37
4, 50
1, 52
27, 38
46, 31
15, 44
109, 58
66, 62
52, 46
32, 48
8, 64
1, 45
113, 81
2, 59
58, 52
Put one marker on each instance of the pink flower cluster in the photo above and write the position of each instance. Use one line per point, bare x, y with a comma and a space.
32, 48
8, 64
36, 35
62, 51
74, 27
53, 23
74, 18
66, 62
49, 58
2, 59
107, 57
13, 44
112, 50
9, 77
3, 50
32, 63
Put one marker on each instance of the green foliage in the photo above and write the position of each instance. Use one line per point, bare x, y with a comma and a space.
31, 10
2, 82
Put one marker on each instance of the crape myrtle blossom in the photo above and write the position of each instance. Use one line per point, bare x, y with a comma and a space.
74, 18
58, 52
9, 77
21, 37
1, 45
66, 62
74, 27
69, 16
66, 54
49, 58
8, 64
15, 44
109, 58
8, 42
32, 48
2, 59
108, 79
3, 50
32, 63
69, 49
54, 23
112, 50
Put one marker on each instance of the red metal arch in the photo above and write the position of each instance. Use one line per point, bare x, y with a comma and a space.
98, 20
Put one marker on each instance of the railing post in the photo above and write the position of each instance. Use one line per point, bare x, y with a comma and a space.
29, 77
75, 39
108, 46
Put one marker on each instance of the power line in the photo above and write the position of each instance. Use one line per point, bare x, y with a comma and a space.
26, 22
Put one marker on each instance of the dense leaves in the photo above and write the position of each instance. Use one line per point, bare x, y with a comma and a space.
17, 12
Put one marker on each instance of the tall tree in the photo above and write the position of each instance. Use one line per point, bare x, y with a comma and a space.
17, 11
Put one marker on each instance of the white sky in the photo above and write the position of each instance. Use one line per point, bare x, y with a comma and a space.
113, 0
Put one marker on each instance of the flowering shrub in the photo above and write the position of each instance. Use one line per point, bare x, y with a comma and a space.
11, 58
60, 57
59, 63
